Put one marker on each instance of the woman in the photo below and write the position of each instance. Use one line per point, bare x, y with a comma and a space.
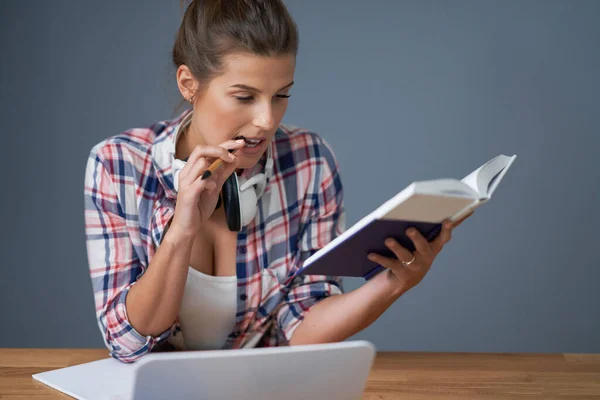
166, 267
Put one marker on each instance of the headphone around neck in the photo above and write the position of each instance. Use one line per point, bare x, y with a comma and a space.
239, 196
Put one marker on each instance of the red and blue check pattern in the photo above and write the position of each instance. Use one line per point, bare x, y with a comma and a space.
130, 198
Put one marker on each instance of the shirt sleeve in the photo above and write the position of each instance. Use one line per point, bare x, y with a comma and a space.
327, 221
113, 264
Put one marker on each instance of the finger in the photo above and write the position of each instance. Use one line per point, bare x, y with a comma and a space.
402, 253
213, 152
191, 162
443, 238
200, 185
221, 174
421, 244
195, 170
233, 144
219, 152
209, 153
460, 221
385, 262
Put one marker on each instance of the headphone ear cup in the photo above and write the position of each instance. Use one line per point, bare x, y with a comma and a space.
248, 205
231, 203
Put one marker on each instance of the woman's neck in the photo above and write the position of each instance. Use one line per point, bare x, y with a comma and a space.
183, 147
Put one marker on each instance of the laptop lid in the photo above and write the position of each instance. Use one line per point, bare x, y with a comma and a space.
326, 371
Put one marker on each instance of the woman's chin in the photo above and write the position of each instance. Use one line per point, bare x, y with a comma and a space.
249, 161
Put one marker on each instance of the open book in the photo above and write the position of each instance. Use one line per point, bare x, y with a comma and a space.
423, 205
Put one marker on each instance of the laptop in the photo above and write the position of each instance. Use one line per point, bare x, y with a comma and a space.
332, 371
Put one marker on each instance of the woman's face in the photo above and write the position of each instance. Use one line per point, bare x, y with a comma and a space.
249, 99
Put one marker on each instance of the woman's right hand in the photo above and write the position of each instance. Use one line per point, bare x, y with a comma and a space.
196, 198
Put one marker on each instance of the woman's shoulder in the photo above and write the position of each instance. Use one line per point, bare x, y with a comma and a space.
133, 147
302, 141
298, 145
133, 141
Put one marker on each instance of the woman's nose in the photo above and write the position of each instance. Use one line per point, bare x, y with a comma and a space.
264, 119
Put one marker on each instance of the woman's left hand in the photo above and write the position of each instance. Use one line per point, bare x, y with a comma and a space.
407, 269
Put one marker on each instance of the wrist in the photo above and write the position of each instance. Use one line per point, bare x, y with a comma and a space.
390, 284
176, 237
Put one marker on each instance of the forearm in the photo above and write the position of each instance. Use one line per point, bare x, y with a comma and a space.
336, 318
153, 302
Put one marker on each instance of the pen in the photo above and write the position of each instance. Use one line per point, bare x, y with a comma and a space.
216, 165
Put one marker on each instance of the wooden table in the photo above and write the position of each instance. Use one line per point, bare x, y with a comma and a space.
394, 375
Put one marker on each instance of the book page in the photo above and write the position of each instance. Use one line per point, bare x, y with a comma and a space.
485, 178
429, 208
495, 180
471, 180
446, 187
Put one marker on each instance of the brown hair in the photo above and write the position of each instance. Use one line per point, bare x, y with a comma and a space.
212, 29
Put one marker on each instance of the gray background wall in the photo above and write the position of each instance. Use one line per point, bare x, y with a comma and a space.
403, 91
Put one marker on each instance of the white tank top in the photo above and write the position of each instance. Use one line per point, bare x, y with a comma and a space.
208, 308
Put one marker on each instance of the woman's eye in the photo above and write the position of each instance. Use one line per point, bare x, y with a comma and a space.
244, 98
247, 99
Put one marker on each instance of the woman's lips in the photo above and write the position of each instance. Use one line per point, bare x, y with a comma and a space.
253, 145
252, 150
250, 140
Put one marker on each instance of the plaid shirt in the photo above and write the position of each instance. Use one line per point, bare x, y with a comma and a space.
130, 198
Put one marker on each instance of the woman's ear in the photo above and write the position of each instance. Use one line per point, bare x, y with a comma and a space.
186, 82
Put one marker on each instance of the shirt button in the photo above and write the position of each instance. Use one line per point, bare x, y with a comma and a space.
243, 296
242, 249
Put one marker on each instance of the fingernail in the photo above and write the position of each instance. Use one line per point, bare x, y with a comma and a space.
389, 241
231, 156
240, 141
410, 231
370, 256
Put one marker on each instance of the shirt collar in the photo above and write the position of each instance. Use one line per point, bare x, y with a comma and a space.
163, 154
163, 151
